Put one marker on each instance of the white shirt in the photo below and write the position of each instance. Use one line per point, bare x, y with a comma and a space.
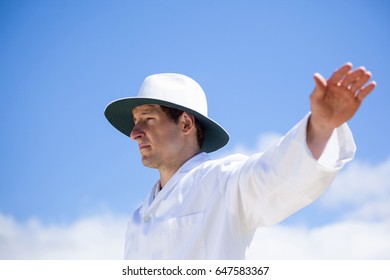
210, 209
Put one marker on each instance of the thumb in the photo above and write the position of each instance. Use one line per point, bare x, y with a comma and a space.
319, 90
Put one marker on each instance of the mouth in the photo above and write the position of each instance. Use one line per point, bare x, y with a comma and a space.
143, 146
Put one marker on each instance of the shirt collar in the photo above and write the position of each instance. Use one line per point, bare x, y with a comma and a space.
193, 162
185, 168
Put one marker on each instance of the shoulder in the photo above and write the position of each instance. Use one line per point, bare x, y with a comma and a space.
223, 165
226, 163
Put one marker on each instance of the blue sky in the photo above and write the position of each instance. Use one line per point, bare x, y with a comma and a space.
62, 62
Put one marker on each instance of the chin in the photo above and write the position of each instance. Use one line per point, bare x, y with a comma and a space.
146, 161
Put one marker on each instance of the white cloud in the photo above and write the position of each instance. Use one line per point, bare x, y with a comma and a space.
264, 141
364, 189
343, 240
99, 237
358, 183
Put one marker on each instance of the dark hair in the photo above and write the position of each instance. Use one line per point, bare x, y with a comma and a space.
174, 114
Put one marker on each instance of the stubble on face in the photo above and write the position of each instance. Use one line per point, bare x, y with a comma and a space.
157, 136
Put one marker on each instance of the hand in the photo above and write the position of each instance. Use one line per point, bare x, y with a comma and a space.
335, 101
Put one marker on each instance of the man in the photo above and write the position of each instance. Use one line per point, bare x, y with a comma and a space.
210, 209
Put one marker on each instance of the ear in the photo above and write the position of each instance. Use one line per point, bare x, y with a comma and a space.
188, 122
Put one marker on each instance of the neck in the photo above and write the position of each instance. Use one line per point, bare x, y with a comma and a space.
167, 172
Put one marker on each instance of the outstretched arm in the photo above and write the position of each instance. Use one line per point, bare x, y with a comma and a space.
334, 102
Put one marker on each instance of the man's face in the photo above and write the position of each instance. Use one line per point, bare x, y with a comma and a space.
159, 138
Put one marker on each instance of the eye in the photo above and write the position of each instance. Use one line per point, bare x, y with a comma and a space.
149, 119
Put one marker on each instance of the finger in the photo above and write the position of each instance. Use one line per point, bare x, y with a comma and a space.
366, 91
340, 73
320, 81
353, 77
359, 83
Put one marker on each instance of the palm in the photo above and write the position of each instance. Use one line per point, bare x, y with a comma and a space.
336, 100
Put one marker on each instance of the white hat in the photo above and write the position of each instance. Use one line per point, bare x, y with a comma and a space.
172, 90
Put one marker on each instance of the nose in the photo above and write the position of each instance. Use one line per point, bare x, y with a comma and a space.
136, 132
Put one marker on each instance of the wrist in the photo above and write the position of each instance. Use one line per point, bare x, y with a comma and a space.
317, 136
319, 126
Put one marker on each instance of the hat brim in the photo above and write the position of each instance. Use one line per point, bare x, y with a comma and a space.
119, 114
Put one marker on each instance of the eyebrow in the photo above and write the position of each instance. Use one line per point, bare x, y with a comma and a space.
143, 113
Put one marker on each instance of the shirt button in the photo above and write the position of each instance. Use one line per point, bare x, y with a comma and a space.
147, 218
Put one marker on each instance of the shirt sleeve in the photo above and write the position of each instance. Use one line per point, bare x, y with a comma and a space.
267, 188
